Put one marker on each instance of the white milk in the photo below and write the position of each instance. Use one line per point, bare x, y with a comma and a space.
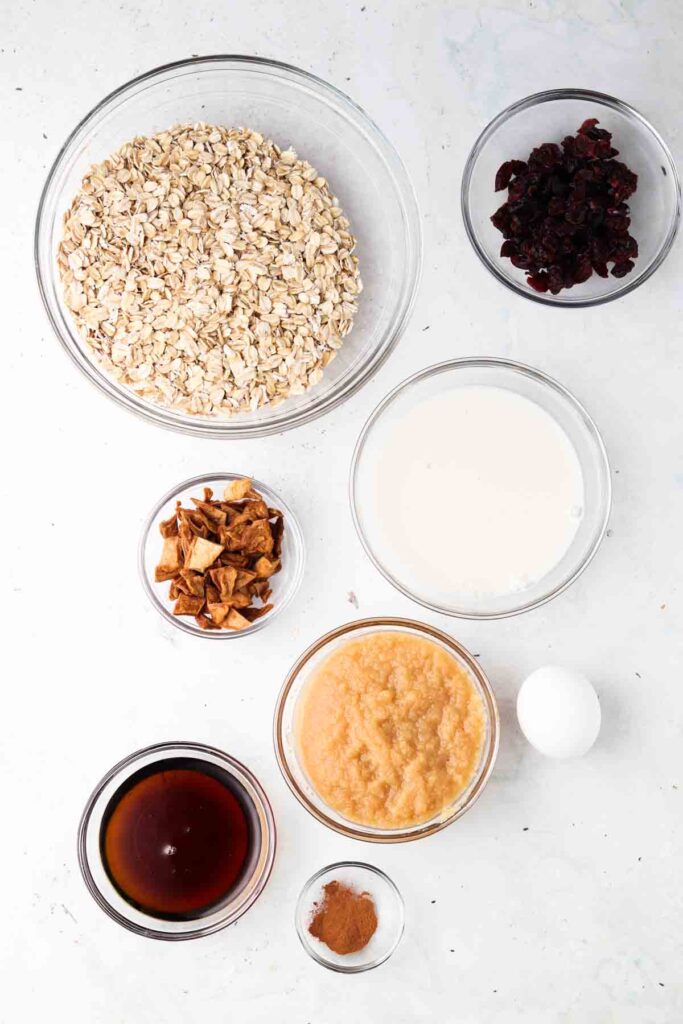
478, 491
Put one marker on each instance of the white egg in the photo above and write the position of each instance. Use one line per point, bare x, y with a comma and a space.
559, 712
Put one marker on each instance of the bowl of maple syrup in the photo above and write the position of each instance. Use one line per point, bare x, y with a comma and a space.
177, 841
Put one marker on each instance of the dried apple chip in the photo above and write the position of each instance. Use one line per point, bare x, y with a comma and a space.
236, 621
202, 554
257, 613
250, 512
194, 582
219, 612
224, 578
169, 527
277, 529
244, 578
266, 567
169, 563
237, 489
187, 604
251, 538
211, 512
234, 559
198, 523
205, 622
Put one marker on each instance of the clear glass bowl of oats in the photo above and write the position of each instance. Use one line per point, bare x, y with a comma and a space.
142, 329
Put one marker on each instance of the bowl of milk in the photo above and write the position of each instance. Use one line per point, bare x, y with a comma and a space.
480, 488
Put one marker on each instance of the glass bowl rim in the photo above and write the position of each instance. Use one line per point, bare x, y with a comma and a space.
390, 836
550, 95
178, 621
400, 903
406, 196
545, 380
269, 840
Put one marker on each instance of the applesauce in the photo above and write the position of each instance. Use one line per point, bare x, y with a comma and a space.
389, 729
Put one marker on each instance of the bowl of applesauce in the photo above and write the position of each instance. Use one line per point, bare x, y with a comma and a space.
386, 730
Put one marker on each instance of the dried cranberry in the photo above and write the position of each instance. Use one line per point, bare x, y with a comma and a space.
585, 146
617, 222
583, 270
506, 171
622, 269
566, 214
520, 261
503, 176
539, 282
545, 156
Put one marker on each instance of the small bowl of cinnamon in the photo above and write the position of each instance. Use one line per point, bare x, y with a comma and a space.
350, 917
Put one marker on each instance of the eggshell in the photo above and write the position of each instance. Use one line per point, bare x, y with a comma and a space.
559, 712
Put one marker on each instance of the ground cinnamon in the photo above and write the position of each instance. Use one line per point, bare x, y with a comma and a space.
345, 920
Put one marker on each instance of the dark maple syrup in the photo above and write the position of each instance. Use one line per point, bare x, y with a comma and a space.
179, 838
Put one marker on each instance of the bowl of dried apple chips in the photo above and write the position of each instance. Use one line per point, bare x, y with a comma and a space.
221, 555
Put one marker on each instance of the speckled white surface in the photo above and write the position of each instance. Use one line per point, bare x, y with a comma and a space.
557, 900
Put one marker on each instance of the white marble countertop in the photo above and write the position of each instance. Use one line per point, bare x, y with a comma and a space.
557, 899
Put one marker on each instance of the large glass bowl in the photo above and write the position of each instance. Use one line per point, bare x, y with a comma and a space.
326, 128
284, 730
105, 893
548, 117
558, 403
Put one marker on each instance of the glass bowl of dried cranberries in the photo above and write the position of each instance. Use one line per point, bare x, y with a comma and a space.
571, 198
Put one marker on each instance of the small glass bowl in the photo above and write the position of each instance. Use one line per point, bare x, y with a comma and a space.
325, 127
549, 117
565, 410
285, 583
285, 742
100, 885
388, 904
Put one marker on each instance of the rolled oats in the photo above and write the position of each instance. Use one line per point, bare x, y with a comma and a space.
209, 271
